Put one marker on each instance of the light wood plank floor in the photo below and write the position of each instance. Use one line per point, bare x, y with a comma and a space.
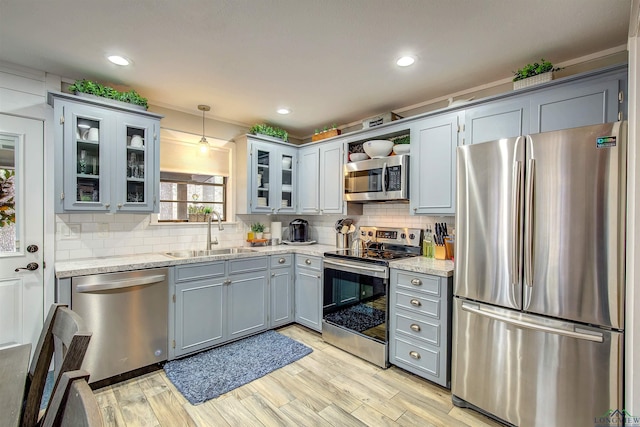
329, 387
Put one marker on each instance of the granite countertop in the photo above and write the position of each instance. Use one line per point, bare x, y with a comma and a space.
85, 266
420, 264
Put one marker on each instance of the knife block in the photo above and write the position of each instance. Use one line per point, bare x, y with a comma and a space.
440, 252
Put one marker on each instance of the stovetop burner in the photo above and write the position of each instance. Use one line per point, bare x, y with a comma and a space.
383, 245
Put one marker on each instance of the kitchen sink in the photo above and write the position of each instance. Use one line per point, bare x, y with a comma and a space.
201, 253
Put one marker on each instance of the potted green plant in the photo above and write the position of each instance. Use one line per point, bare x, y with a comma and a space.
207, 213
7, 197
268, 130
88, 87
326, 132
258, 230
200, 213
531, 74
192, 211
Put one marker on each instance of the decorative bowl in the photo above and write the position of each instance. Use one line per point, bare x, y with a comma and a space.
356, 157
401, 148
377, 148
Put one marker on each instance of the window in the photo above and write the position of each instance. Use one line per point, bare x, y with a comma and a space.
191, 197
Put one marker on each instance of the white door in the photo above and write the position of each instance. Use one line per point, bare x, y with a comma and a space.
21, 230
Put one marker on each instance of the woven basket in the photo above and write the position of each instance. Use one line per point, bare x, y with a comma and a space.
535, 80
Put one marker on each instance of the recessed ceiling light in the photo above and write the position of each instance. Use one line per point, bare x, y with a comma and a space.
283, 111
405, 61
118, 60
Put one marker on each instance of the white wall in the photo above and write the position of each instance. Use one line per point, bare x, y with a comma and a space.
98, 235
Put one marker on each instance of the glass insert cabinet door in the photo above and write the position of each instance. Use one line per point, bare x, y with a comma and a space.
286, 202
264, 184
87, 177
134, 172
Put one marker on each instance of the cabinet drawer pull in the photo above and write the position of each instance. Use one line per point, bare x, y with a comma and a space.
416, 282
281, 261
227, 282
307, 261
414, 327
414, 354
415, 302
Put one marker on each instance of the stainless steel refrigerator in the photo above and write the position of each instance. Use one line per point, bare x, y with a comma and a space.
539, 276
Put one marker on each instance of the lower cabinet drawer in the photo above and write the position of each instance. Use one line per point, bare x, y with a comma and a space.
199, 271
244, 265
278, 261
421, 304
421, 359
418, 327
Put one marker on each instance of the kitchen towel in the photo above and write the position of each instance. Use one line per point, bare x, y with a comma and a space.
209, 374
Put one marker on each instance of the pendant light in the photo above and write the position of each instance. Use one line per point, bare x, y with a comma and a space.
203, 144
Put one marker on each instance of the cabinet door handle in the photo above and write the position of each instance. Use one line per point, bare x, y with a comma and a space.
119, 205
414, 327
415, 302
319, 276
416, 282
281, 261
307, 261
414, 354
107, 205
273, 274
227, 282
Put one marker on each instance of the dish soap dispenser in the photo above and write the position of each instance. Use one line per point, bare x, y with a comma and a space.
427, 244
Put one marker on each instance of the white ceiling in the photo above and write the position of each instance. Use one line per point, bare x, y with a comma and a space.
330, 61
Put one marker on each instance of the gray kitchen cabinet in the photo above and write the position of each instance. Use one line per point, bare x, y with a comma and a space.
332, 159
107, 157
247, 298
215, 302
579, 103
267, 176
433, 155
322, 181
308, 291
420, 324
309, 180
200, 307
281, 290
500, 119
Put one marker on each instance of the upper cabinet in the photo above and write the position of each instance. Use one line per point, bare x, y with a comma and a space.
267, 176
107, 157
501, 119
433, 158
590, 102
308, 181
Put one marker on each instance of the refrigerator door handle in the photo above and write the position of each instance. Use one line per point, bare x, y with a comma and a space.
528, 233
577, 332
514, 268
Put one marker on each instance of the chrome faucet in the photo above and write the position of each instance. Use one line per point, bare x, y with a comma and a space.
220, 227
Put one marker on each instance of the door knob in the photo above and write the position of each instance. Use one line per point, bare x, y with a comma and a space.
32, 248
31, 266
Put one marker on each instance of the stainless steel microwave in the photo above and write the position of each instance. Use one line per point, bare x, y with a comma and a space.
377, 180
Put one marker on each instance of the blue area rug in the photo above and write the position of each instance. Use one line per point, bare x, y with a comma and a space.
209, 374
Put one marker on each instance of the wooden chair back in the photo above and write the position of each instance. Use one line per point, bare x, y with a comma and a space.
63, 334
73, 404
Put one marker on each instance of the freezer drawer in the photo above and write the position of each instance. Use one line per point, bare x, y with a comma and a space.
533, 371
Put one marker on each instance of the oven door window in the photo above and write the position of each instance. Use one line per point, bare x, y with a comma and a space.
356, 302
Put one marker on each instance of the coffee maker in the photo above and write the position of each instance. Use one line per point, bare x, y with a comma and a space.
299, 230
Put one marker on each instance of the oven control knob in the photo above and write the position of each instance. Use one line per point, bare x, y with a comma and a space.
370, 233
402, 235
412, 236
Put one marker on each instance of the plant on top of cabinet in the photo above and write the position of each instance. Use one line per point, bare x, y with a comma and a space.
93, 88
326, 132
543, 72
268, 130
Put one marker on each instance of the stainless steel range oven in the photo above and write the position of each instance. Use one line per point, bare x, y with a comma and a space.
356, 283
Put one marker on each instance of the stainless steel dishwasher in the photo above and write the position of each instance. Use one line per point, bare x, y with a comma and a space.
128, 315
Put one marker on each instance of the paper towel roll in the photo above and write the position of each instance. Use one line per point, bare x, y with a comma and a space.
276, 231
